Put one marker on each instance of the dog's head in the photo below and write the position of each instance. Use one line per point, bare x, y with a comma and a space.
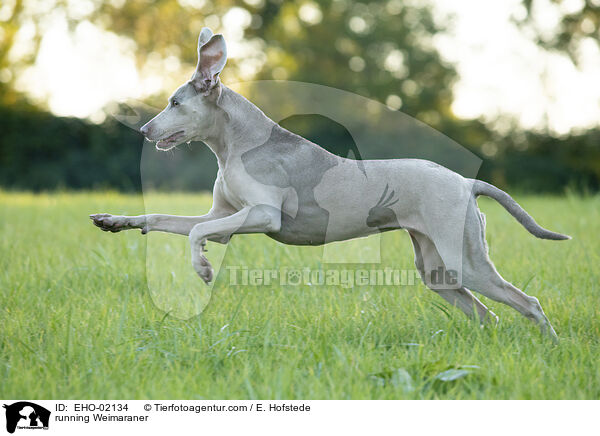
192, 108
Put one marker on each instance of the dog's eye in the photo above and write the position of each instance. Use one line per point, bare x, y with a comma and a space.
175, 103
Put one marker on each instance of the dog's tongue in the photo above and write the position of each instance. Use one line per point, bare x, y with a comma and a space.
169, 141
163, 144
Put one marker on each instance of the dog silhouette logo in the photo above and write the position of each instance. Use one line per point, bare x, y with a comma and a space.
26, 415
381, 215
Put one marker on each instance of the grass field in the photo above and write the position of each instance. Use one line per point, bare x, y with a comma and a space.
77, 319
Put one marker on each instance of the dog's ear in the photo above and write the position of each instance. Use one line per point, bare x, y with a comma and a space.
205, 35
212, 57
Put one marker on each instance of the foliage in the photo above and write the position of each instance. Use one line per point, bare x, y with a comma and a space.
579, 22
39, 151
381, 49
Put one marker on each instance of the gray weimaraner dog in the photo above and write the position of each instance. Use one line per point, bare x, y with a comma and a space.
275, 182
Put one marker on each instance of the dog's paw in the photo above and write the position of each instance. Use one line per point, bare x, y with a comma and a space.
490, 319
203, 268
111, 223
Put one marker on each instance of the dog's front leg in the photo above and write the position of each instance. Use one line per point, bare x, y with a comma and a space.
181, 225
252, 219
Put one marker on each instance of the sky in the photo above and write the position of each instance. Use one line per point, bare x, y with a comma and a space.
502, 72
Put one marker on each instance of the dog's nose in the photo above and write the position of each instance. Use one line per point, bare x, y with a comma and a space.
144, 130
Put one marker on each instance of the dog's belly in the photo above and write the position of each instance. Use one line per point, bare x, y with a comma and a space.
313, 225
308, 227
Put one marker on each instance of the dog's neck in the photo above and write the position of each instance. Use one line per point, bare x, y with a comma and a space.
239, 126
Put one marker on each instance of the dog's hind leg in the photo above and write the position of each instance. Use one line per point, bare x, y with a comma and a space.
480, 274
427, 260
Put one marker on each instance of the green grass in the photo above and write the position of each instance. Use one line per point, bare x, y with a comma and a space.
77, 319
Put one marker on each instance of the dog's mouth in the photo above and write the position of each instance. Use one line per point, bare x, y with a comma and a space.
170, 141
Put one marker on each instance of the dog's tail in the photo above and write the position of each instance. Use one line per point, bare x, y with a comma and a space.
526, 220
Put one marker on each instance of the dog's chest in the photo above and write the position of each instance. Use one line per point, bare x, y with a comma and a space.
230, 191
238, 188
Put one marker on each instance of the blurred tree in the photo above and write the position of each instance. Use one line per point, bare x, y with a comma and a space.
10, 19
380, 49
579, 21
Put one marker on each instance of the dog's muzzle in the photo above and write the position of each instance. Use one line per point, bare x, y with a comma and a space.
144, 130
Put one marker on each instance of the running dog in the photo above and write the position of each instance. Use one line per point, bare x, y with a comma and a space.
274, 182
